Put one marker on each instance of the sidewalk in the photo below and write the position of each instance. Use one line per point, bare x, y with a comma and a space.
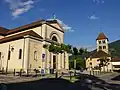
107, 77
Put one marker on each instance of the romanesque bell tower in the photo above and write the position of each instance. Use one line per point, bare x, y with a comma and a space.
102, 42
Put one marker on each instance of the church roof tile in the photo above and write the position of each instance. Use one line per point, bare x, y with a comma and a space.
101, 36
19, 36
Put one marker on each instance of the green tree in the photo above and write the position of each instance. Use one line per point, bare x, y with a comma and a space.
104, 62
75, 51
81, 51
80, 63
57, 48
76, 60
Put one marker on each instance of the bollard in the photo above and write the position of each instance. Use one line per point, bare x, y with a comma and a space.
70, 75
75, 73
35, 72
20, 72
27, 72
3, 70
14, 72
56, 75
93, 72
90, 72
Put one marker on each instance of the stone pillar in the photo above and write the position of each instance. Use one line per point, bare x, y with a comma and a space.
26, 54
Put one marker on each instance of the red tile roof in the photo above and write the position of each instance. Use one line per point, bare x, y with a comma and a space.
100, 54
25, 27
3, 31
101, 36
19, 36
115, 60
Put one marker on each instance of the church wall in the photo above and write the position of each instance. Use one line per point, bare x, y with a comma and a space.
14, 62
45, 31
17, 33
93, 61
38, 30
50, 32
103, 44
35, 54
56, 25
96, 63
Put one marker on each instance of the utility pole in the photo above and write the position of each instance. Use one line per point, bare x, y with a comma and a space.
74, 64
75, 67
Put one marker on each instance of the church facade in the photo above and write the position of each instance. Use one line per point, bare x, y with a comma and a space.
22, 47
101, 52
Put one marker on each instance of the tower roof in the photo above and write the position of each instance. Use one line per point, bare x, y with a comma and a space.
101, 36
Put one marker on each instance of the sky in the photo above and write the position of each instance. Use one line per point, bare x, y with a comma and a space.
84, 19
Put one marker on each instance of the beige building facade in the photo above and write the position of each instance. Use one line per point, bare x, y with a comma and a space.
93, 61
22, 47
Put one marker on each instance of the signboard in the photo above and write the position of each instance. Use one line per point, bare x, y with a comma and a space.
43, 56
42, 72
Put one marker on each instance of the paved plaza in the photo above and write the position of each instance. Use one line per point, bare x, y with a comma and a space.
108, 81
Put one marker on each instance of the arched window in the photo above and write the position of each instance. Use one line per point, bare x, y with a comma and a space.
9, 54
103, 41
0, 55
54, 38
20, 53
104, 47
35, 55
100, 47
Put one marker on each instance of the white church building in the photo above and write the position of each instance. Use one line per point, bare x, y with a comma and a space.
22, 47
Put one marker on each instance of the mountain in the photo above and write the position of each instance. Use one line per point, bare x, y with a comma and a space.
114, 48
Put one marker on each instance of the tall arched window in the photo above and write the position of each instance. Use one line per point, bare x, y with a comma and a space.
20, 53
54, 38
9, 54
0, 55
35, 55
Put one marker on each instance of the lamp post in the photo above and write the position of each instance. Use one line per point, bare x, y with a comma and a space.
75, 67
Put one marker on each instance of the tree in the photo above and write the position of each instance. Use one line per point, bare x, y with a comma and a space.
75, 51
57, 48
76, 60
104, 62
79, 63
81, 51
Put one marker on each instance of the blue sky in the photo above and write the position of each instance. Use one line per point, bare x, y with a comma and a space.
84, 18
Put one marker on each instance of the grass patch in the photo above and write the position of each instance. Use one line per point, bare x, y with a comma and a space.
73, 78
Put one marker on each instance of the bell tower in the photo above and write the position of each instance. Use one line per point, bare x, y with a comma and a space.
102, 42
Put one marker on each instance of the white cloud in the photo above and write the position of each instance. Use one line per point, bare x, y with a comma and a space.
64, 26
93, 17
89, 47
99, 1
19, 7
